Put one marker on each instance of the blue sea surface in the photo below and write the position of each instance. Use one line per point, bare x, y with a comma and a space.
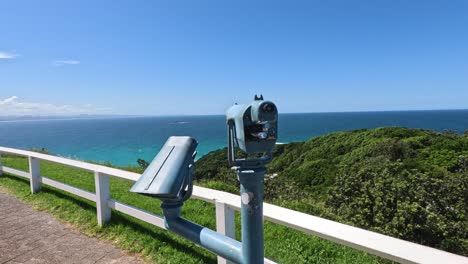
121, 141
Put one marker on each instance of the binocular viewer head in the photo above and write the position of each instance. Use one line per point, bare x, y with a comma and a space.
169, 176
254, 126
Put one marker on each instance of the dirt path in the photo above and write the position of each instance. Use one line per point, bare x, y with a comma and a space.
29, 236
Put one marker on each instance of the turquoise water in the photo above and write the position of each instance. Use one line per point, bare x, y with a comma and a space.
122, 141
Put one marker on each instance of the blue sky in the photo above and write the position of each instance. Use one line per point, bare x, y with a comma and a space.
198, 57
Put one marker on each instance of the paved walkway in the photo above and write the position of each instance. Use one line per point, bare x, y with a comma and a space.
29, 236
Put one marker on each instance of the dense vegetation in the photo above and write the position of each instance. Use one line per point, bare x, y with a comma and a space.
408, 183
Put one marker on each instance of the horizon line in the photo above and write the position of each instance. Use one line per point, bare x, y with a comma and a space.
85, 116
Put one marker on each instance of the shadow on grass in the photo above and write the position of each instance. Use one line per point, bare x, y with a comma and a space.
59, 194
119, 218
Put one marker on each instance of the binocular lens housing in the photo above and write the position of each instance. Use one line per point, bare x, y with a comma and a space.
255, 125
268, 108
169, 175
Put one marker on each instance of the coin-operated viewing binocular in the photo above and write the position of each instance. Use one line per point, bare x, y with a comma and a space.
169, 175
253, 128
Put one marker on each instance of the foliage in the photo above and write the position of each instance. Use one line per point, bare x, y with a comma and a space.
408, 183
41, 150
143, 163
425, 207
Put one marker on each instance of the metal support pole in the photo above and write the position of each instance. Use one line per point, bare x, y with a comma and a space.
251, 181
219, 244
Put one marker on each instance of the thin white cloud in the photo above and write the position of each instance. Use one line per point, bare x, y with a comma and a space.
66, 62
7, 55
13, 106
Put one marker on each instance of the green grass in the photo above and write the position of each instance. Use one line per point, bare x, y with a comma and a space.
282, 244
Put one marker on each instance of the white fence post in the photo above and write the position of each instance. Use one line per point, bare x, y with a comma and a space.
101, 182
35, 174
225, 224
1, 168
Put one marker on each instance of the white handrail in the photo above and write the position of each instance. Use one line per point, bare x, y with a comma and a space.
364, 240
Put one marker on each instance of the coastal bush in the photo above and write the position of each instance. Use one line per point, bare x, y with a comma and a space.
385, 196
142, 163
41, 150
408, 183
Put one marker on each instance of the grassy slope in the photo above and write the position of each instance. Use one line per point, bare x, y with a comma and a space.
281, 244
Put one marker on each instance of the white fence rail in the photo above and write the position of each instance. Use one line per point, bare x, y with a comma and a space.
225, 203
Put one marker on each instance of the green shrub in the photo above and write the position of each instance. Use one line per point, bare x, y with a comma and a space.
408, 183
385, 196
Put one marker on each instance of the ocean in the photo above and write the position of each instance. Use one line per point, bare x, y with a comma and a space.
122, 140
